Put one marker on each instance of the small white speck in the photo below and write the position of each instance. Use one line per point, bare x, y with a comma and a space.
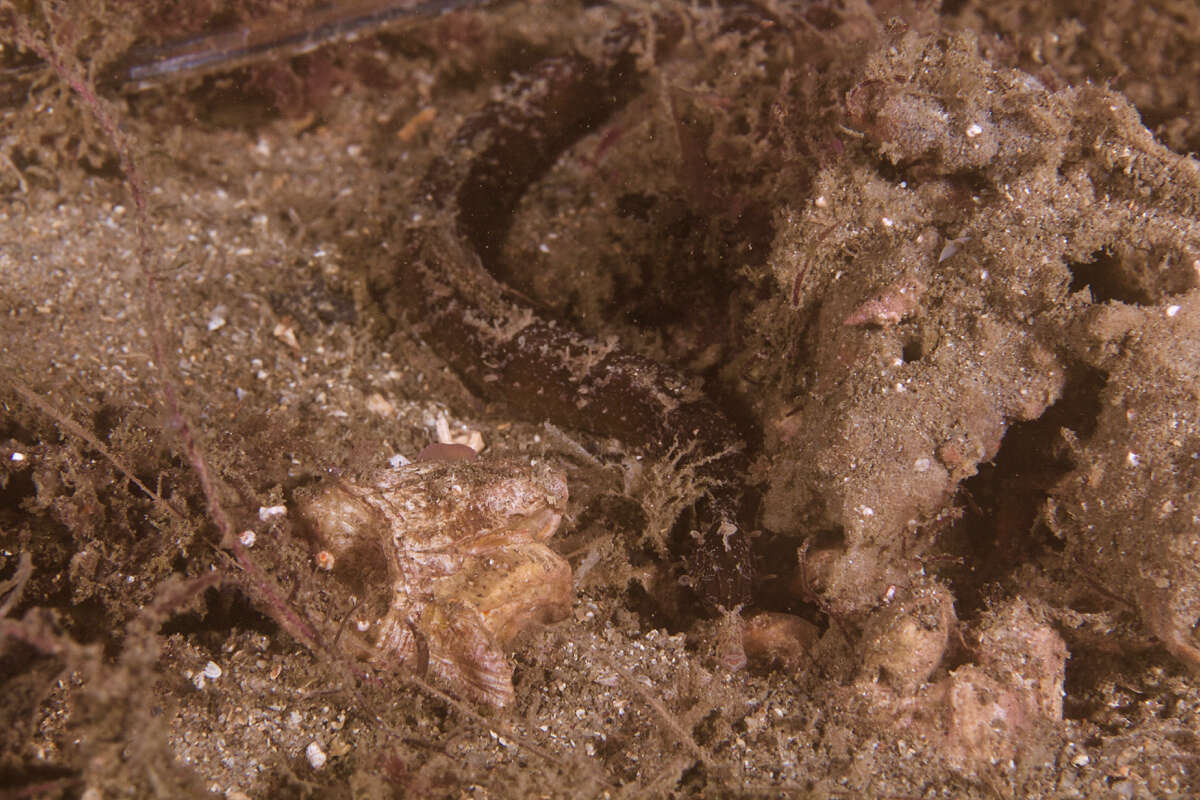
315, 755
216, 320
17, 457
983, 274
1133, 459
1081, 760
923, 464
247, 538
362, 625
543, 248
397, 461
271, 512
354, 150
821, 202
866, 511
1172, 310
974, 130
887, 222
212, 670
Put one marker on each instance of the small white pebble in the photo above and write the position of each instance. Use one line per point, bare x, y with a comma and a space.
397, 461
271, 512
216, 320
1133, 459
1172, 310
974, 130
315, 755
922, 464
247, 538
286, 334
543, 248
887, 222
17, 456
821, 202
212, 670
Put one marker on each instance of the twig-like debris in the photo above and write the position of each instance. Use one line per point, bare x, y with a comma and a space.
71, 426
14, 587
159, 333
684, 737
275, 37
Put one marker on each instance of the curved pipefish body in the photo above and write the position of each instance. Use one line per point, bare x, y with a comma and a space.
505, 350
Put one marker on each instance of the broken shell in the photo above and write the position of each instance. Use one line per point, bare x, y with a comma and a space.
451, 556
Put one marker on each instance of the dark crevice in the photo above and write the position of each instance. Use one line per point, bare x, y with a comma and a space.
225, 610
1000, 526
1135, 275
912, 351
1106, 279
